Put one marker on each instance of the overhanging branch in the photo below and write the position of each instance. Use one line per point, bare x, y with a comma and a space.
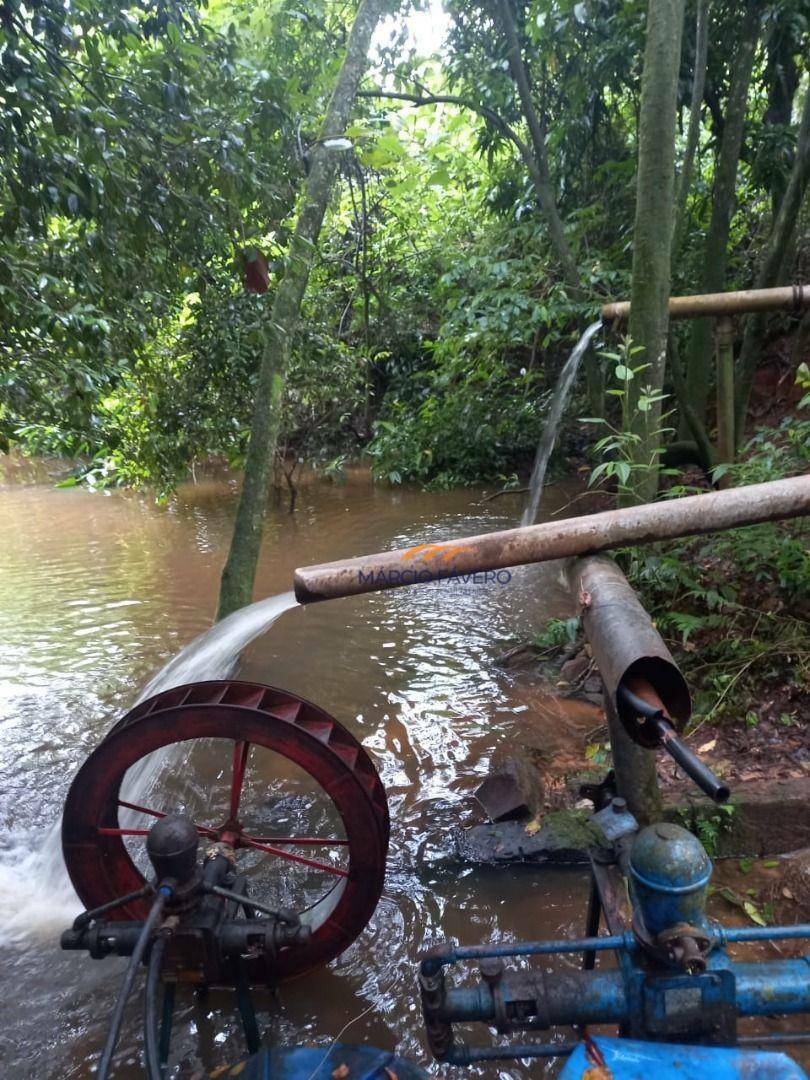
494, 118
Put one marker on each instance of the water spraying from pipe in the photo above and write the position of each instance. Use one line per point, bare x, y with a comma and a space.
559, 399
36, 897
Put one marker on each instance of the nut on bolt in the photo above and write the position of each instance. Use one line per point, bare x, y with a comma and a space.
491, 968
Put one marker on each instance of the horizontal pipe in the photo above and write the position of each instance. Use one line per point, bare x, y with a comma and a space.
454, 954
729, 934
541, 1001
764, 988
648, 523
773, 987
786, 297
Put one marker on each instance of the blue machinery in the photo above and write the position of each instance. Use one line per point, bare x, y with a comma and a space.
674, 981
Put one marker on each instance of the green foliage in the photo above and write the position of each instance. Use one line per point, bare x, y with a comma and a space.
476, 411
709, 823
558, 633
733, 606
620, 464
145, 150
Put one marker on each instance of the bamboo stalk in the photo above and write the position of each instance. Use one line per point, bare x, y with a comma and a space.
647, 523
788, 297
724, 350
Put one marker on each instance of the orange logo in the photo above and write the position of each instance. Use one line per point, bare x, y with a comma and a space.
440, 552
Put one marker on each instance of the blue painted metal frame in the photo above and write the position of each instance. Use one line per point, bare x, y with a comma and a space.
618, 995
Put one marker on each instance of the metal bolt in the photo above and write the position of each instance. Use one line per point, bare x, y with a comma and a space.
619, 805
491, 969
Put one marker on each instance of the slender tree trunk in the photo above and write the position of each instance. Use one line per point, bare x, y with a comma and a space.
782, 77
236, 588
652, 238
693, 133
772, 264
697, 430
543, 184
537, 131
699, 357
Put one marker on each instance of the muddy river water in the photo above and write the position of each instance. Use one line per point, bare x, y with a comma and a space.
98, 590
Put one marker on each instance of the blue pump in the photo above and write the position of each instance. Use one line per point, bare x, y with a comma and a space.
675, 992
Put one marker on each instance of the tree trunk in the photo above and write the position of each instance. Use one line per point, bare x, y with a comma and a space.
537, 131
236, 587
781, 76
772, 264
698, 83
541, 178
703, 447
652, 238
698, 364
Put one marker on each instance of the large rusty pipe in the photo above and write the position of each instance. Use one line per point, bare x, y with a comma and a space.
667, 520
625, 642
644, 689
786, 297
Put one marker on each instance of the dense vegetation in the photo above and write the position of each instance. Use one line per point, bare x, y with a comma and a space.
149, 153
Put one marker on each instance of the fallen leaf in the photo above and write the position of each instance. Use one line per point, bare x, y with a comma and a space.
341, 1072
597, 1072
390, 1074
534, 826
787, 893
707, 746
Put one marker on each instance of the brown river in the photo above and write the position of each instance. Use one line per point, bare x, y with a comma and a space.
99, 590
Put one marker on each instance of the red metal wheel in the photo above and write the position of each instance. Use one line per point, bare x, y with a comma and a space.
260, 728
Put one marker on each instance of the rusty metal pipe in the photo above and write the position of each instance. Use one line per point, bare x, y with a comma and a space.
626, 645
786, 297
667, 520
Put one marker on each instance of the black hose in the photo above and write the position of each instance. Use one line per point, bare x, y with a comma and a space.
117, 1017
151, 1036
91, 915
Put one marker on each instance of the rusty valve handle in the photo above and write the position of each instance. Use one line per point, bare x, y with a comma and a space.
648, 707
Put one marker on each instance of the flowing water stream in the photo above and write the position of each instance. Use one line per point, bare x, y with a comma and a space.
35, 892
562, 392
99, 591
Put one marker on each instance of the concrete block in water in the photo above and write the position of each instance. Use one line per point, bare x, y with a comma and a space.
563, 837
513, 789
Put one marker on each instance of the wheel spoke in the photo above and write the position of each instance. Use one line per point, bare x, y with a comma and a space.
122, 832
140, 809
298, 841
288, 855
240, 756
203, 830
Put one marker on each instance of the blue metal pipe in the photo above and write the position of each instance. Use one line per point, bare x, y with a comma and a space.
600, 997
726, 934
448, 954
774, 987
567, 997
452, 954
466, 1055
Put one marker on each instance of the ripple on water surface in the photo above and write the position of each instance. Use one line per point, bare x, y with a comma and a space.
98, 591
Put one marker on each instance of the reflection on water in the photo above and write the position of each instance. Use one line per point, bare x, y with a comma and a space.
97, 591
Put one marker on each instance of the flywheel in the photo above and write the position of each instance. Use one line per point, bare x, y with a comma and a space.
267, 774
